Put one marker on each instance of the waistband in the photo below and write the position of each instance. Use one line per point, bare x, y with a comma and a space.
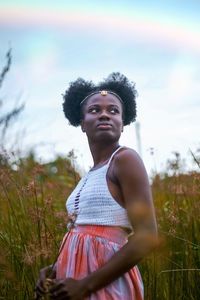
111, 233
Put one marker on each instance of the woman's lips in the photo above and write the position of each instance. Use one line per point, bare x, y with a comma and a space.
104, 126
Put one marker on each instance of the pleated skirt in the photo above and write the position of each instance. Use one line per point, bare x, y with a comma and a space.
87, 248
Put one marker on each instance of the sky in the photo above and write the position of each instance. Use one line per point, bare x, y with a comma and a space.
156, 44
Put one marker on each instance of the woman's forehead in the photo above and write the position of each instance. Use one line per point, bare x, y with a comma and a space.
103, 99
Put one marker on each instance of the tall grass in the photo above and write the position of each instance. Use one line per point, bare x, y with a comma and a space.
33, 222
173, 272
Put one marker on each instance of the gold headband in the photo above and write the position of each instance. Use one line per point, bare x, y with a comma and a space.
103, 93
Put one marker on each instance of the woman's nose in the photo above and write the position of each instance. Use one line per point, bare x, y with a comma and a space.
104, 115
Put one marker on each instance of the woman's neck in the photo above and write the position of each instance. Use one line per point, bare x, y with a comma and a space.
101, 154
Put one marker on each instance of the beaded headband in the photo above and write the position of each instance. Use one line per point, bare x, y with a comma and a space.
103, 93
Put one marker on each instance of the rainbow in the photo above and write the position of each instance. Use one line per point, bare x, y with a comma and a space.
131, 26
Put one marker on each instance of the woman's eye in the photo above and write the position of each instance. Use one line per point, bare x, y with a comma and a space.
114, 110
93, 110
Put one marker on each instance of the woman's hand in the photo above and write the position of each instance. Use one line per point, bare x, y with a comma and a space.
42, 284
68, 289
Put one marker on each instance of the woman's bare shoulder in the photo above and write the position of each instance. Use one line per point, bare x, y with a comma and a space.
127, 155
128, 163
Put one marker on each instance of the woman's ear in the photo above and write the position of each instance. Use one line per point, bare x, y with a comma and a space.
82, 126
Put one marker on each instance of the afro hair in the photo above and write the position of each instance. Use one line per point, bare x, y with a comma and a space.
115, 82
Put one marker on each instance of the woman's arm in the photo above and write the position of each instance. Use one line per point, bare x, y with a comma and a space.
131, 175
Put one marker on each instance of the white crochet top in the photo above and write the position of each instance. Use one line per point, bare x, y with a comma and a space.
92, 203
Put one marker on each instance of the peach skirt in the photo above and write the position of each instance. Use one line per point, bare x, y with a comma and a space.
87, 248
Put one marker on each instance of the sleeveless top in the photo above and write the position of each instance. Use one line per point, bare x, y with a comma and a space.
92, 203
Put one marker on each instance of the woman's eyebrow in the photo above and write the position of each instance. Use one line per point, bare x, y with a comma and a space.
93, 105
114, 105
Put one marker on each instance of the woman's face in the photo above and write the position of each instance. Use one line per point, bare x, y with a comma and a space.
102, 118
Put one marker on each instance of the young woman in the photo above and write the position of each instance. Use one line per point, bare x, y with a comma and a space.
112, 223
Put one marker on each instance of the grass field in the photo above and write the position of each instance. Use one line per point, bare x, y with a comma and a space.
33, 222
